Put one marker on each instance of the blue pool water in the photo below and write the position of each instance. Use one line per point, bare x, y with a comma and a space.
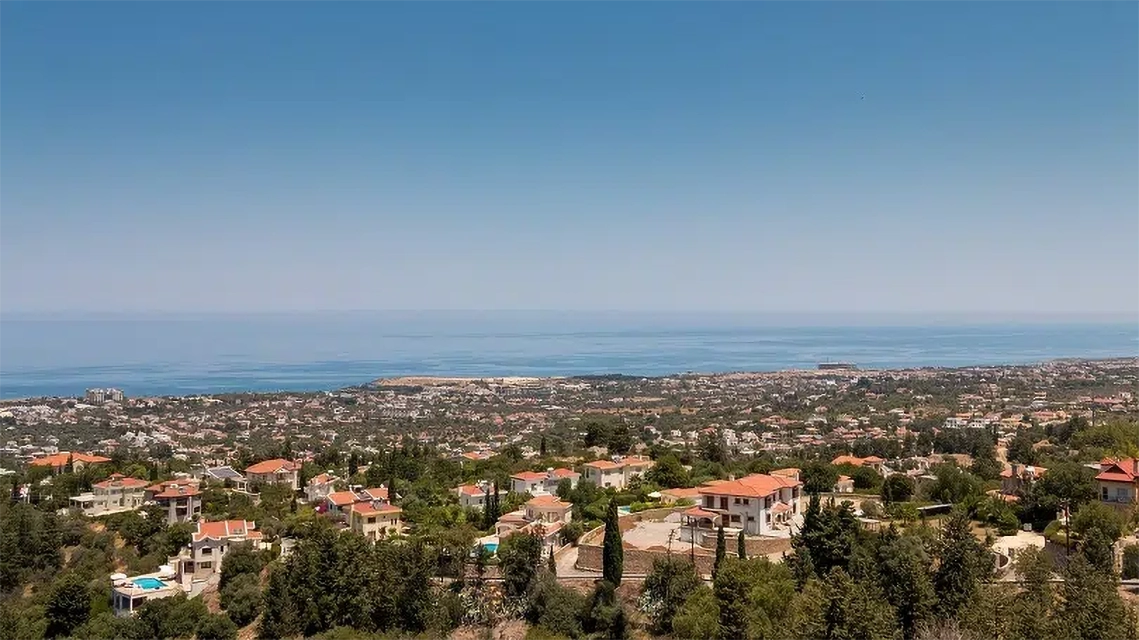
491, 547
148, 583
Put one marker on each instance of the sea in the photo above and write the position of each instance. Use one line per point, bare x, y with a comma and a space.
164, 355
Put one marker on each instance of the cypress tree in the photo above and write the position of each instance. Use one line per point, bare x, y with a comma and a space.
542, 447
741, 548
612, 554
721, 549
552, 563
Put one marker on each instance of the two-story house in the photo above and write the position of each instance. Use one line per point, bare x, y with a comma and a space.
616, 473
276, 471
181, 499
474, 496
1118, 480
319, 486
116, 494
530, 482
543, 516
209, 544
757, 504
338, 503
375, 520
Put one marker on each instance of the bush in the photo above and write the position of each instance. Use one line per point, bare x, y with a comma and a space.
241, 598
1131, 562
217, 627
572, 532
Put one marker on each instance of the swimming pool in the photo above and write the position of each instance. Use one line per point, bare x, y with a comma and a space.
491, 547
148, 583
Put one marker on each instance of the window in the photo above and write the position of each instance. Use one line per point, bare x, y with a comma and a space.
746, 501
735, 501
205, 565
207, 551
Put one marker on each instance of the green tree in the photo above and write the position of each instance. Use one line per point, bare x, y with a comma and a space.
542, 446
819, 477
667, 586
216, 627
668, 472
741, 546
1131, 562
68, 606
1089, 606
898, 487
905, 580
1033, 604
555, 608
612, 552
963, 563
699, 616
519, 556
1097, 515
240, 559
241, 598
1020, 448
842, 608
721, 549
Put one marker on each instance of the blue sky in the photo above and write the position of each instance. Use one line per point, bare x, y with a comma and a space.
809, 157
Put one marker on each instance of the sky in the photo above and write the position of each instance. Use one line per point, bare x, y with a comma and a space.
858, 157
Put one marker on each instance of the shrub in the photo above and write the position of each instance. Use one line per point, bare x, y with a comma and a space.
1131, 562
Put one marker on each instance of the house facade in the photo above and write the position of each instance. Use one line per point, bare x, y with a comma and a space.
1019, 477
474, 496
616, 473
338, 504
757, 504
276, 471
227, 476
181, 499
319, 486
116, 494
1118, 481
209, 544
376, 520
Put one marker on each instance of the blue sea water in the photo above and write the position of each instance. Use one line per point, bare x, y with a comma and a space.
178, 355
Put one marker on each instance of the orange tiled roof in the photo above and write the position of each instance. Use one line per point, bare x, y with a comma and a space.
603, 464
529, 476
60, 459
754, 486
219, 529
367, 509
273, 466
547, 502
119, 480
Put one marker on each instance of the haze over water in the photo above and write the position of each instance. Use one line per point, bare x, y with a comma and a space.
179, 355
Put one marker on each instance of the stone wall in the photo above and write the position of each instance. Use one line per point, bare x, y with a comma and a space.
640, 561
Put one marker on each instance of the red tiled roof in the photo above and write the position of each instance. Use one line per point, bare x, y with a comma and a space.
322, 478
220, 529
367, 509
547, 502
1122, 470
471, 490
60, 459
603, 464
118, 480
273, 466
564, 473
529, 476
754, 486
